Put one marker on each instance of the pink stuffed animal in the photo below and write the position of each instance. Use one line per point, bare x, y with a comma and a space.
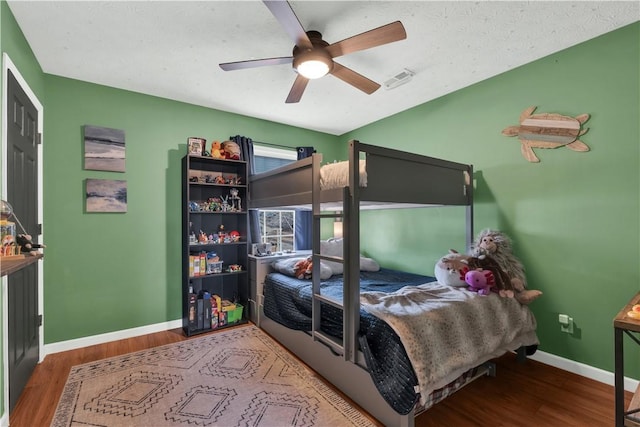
480, 281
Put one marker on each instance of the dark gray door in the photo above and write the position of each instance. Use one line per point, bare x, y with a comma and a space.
22, 194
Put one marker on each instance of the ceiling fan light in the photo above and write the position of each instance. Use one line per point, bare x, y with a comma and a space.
313, 69
313, 64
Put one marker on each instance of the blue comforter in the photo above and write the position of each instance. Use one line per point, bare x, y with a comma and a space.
287, 301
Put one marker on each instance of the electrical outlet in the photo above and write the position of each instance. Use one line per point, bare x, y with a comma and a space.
566, 323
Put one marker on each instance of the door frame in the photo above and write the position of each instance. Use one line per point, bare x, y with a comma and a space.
8, 65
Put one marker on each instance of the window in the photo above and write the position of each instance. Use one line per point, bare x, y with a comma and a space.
267, 158
276, 226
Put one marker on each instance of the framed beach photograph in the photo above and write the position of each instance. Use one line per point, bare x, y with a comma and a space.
104, 149
195, 146
106, 195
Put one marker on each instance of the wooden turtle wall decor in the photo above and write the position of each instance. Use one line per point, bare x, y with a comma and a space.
548, 130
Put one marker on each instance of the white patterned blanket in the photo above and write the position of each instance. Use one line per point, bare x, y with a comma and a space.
447, 331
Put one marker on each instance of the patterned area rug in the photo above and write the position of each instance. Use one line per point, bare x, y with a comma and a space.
235, 377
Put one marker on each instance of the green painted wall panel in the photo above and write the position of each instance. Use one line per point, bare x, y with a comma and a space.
107, 272
16, 46
574, 217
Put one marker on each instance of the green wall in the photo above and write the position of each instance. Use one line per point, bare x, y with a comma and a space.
15, 45
108, 272
574, 217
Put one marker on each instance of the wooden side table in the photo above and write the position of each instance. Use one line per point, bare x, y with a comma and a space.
624, 324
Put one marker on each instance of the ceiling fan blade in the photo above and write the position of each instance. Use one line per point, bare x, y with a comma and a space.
378, 36
253, 63
286, 16
356, 80
296, 91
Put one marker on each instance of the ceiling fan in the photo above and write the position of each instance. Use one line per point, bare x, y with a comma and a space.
312, 57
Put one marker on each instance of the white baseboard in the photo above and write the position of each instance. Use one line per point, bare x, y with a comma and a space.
4, 421
587, 371
57, 347
578, 368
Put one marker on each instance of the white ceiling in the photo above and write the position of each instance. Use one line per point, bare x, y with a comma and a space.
172, 49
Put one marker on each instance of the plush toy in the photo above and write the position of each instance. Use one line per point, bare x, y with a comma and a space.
231, 150
303, 269
26, 244
451, 268
216, 150
497, 246
501, 279
480, 281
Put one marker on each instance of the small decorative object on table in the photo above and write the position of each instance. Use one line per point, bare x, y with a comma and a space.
634, 313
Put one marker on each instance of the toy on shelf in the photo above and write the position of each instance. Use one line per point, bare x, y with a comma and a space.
236, 202
25, 241
211, 177
218, 237
233, 268
231, 150
216, 150
14, 245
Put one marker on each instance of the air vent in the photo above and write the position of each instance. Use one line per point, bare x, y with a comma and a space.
399, 79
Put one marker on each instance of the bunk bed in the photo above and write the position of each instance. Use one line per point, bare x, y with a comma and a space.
335, 334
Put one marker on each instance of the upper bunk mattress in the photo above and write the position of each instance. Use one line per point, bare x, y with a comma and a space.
336, 175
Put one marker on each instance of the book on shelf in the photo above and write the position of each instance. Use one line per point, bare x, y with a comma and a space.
192, 311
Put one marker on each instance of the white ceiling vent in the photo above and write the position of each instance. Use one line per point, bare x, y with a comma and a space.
399, 79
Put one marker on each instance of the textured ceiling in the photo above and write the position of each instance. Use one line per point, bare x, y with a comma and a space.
172, 49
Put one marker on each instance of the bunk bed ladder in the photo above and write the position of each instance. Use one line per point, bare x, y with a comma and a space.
336, 345
350, 305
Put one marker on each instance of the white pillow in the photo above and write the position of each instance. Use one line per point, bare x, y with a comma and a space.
368, 264
333, 247
286, 266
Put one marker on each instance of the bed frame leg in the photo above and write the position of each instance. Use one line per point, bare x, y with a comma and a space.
491, 369
521, 354
407, 420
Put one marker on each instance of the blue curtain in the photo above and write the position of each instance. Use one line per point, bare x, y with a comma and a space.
304, 219
246, 154
304, 152
303, 230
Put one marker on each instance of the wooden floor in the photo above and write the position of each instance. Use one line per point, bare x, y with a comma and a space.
529, 394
